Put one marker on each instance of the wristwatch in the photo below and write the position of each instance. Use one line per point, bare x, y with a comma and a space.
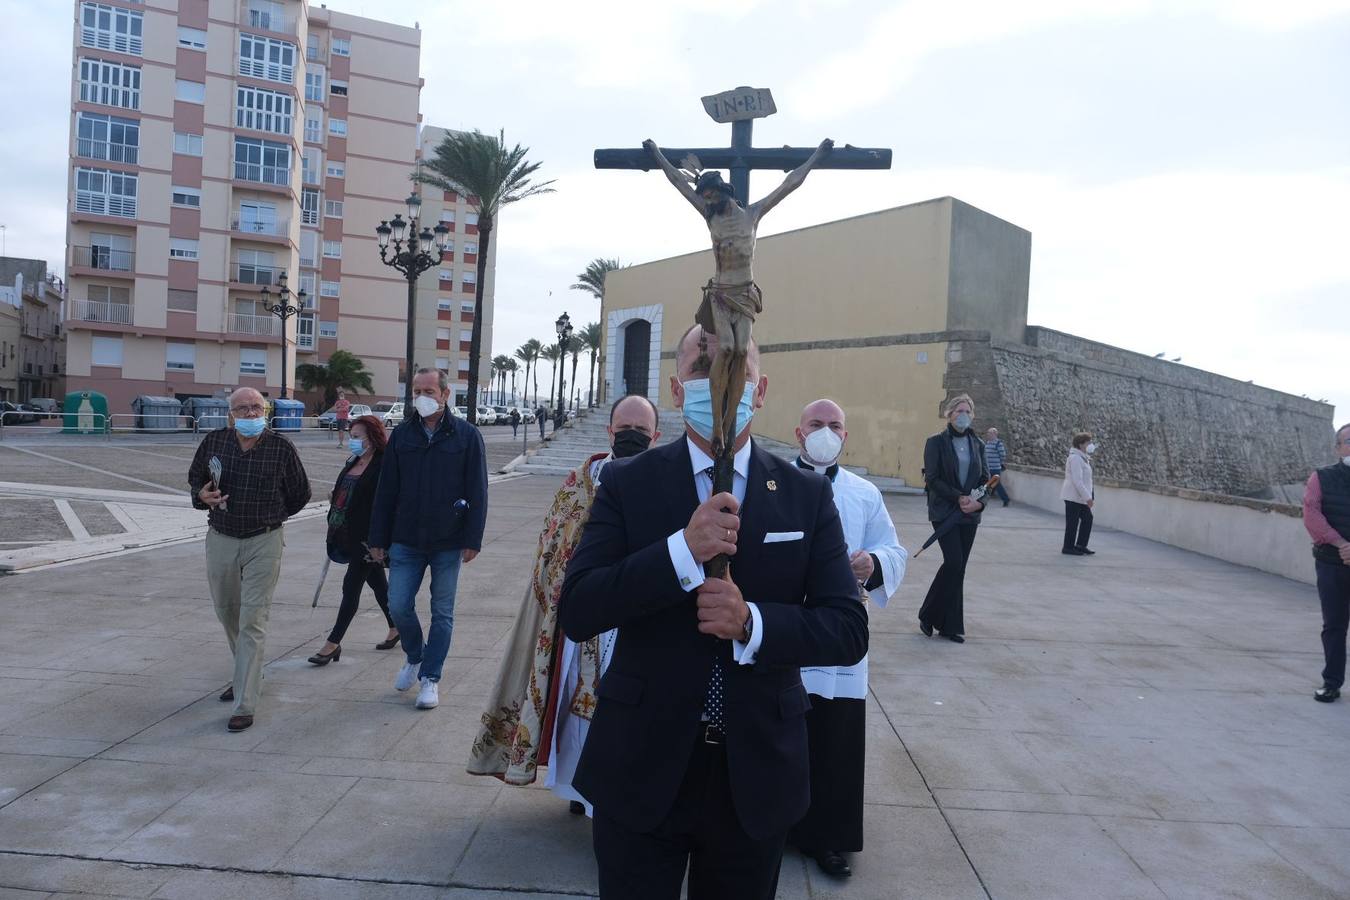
748, 628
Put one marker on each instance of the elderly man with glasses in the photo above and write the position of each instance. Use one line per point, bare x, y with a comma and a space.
251, 480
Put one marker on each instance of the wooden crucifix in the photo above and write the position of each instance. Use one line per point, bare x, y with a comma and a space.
731, 299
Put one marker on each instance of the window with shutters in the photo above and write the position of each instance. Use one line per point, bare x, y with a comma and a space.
105, 193
110, 84
107, 137
111, 28
183, 301
180, 356
266, 162
309, 207
263, 110
187, 144
266, 58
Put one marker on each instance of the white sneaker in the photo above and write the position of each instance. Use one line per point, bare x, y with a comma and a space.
428, 697
406, 676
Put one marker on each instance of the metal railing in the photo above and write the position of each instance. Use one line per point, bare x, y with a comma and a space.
273, 228
267, 21
90, 148
100, 311
103, 258
260, 325
251, 273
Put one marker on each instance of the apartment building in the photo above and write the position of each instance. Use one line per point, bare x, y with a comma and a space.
32, 353
217, 147
445, 294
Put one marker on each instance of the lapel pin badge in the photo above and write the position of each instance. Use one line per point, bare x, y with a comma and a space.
771, 485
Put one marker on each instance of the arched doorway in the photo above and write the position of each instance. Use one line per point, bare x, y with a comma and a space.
637, 341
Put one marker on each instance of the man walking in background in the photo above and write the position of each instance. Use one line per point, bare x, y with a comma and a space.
995, 456
251, 480
1326, 515
430, 511
342, 417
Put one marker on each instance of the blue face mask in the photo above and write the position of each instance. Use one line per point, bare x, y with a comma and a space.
250, 427
698, 407
356, 446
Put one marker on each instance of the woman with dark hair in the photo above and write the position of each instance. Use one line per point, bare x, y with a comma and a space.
953, 466
348, 529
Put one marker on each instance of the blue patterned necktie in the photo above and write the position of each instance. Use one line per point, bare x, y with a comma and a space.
714, 702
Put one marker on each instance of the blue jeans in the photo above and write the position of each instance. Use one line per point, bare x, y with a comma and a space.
407, 565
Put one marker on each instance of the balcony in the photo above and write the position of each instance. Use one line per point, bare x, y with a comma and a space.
304, 341
260, 174
252, 273
266, 326
100, 311
89, 148
104, 258
269, 228
267, 21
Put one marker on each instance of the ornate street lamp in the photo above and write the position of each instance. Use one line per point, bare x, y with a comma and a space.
564, 329
283, 309
414, 252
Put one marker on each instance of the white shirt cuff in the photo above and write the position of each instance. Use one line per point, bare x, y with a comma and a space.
687, 570
745, 654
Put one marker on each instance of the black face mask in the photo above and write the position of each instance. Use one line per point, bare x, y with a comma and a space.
630, 442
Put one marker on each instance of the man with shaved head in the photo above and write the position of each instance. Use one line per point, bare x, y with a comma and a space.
540, 711
260, 484
697, 755
837, 721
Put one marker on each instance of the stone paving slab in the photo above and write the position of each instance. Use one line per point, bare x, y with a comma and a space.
1138, 724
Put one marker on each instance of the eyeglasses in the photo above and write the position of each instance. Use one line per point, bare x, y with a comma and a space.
256, 409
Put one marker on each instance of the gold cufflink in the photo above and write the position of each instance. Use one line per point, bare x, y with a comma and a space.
771, 485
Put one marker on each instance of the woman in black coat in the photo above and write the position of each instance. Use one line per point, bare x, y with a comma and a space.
953, 466
348, 529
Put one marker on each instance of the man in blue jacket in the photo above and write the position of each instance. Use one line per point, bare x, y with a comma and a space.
430, 510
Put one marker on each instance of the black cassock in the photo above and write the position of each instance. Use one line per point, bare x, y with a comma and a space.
837, 734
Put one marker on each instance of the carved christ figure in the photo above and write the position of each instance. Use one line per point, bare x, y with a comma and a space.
731, 299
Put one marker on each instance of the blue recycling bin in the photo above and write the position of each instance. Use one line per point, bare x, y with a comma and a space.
286, 415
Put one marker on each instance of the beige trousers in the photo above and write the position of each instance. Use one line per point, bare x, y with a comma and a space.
242, 573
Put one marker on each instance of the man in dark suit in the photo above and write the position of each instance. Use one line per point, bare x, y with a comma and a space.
697, 753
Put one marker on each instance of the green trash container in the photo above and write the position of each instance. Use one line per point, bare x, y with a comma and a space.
85, 412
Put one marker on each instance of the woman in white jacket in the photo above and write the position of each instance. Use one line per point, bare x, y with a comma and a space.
1077, 496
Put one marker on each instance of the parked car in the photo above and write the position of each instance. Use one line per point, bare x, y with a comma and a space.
389, 412
459, 412
503, 414
486, 416
45, 404
16, 414
329, 419
526, 415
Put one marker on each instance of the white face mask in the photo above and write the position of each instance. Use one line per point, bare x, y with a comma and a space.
426, 406
823, 446
1091, 448
1345, 460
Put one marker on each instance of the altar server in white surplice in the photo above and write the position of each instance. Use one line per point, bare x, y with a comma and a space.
837, 721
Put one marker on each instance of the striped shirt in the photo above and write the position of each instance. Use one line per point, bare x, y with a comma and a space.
995, 454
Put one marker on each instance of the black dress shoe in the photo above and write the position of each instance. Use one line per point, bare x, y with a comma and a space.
1326, 694
388, 645
1086, 552
227, 695
1072, 551
320, 659
576, 807
925, 628
832, 862
954, 638
239, 723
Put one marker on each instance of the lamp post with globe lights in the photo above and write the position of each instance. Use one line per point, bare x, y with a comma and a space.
564, 328
283, 309
413, 252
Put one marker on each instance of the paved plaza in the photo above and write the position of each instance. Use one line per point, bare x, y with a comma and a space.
1137, 724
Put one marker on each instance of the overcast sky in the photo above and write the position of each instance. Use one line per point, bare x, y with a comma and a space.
1183, 167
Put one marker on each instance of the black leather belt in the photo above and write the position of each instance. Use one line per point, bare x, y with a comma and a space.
252, 534
711, 734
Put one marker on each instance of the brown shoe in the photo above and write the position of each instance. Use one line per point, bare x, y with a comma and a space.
239, 723
227, 695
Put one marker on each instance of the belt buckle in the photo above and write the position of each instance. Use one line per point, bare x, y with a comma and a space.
713, 735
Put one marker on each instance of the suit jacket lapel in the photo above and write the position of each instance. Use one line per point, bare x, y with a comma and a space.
682, 495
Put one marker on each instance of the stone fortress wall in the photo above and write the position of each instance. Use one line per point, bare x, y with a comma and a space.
1156, 422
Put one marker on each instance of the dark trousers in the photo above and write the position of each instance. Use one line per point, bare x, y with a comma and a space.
999, 490
1077, 525
837, 732
359, 574
701, 833
944, 607
1333, 587
542, 420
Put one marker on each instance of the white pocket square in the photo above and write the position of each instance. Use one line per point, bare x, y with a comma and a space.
776, 537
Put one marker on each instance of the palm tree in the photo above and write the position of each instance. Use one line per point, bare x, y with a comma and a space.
592, 281
343, 370
550, 353
492, 176
578, 344
512, 366
499, 376
525, 354
590, 340
532, 348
